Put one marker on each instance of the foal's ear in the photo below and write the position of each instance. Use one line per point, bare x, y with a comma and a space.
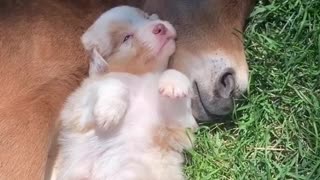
98, 64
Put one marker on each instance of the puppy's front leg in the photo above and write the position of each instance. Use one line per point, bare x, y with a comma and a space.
174, 84
111, 105
175, 88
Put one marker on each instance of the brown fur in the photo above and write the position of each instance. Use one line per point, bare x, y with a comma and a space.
42, 61
219, 26
209, 38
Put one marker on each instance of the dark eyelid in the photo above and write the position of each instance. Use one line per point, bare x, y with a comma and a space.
127, 37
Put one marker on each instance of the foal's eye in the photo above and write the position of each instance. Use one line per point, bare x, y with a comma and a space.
127, 37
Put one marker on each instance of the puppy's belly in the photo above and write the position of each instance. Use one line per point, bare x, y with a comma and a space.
127, 149
130, 151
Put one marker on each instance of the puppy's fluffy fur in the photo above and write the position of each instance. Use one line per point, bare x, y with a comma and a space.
131, 123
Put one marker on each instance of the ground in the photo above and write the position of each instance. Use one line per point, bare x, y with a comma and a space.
277, 122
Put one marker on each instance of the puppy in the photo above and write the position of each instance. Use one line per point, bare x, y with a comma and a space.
129, 119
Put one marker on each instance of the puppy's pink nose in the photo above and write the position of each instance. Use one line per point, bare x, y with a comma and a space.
159, 29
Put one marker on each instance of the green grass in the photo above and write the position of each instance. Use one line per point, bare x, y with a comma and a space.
277, 132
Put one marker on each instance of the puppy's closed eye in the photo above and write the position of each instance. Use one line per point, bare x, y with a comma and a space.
127, 37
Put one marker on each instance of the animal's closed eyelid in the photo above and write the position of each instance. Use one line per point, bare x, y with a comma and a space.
127, 37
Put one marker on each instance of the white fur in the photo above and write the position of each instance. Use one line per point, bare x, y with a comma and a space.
126, 151
95, 36
121, 126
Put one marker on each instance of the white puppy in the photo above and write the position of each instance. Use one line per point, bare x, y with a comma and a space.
131, 123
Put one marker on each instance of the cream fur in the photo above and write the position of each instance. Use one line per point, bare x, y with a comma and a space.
122, 126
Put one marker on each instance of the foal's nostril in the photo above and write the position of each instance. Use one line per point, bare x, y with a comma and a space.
226, 85
206, 105
159, 29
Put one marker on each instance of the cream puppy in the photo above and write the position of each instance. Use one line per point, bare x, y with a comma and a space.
130, 123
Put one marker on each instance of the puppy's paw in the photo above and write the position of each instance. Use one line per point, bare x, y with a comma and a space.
110, 114
174, 84
112, 104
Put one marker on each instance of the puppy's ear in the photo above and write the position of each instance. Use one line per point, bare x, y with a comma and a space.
96, 38
98, 64
88, 39
97, 46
